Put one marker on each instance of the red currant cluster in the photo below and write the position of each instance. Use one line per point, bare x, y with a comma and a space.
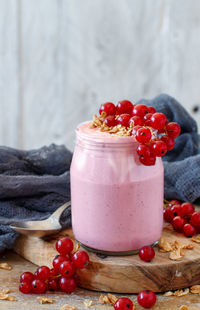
146, 299
183, 217
61, 276
151, 129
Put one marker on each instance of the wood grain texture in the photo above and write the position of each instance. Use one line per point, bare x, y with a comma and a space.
10, 279
124, 274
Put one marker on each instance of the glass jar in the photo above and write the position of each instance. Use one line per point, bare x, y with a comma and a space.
117, 203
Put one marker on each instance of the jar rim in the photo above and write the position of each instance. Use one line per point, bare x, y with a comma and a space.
106, 138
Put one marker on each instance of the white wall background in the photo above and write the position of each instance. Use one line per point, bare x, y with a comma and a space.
60, 59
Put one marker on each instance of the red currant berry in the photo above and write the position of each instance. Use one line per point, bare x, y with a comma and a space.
136, 120
146, 253
64, 246
143, 135
59, 259
147, 119
178, 223
53, 273
175, 210
107, 107
151, 109
135, 129
38, 287
123, 303
169, 142
159, 148
67, 285
80, 259
146, 299
124, 106
53, 285
25, 287
173, 202
158, 120
173, 129
143, 150
43, 273
167, 215
148, 161
186, 209
140, 110
27, 277
123, 120
110, 121
189, 230
195, 220
67, 269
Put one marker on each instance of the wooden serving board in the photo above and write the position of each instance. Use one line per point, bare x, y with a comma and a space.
123, 274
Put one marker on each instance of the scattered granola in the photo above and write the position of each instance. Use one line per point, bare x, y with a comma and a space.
5, 266
109, 299
165, 246
68, 307
184, 307
7, 297
175, 248
180, 293
4, 291
196, 239
176, 254
195, 289
88, 303
177, 293
169, 293
45, 300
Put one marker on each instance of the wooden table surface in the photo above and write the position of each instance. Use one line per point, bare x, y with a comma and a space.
10, 279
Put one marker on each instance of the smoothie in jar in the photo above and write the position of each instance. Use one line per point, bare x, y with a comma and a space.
117, 202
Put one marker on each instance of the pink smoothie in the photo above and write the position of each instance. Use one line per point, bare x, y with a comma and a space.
117, 203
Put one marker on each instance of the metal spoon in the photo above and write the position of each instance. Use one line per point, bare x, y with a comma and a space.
41, 228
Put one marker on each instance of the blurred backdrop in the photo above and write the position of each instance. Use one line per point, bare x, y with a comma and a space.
60, 59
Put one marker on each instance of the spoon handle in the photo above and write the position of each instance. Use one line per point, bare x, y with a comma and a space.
59, 211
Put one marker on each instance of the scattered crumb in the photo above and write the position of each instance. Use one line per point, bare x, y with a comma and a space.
108, 299
169, 293
165, 246
195, 289
88, 303
196, 239
45, 300
4, 291
180, 293
177, 293
112, 298
175, 248
176, 254
7, 297
184, 307
5, 266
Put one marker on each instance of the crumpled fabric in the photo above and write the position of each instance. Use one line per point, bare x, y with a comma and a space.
182, 164
33, 184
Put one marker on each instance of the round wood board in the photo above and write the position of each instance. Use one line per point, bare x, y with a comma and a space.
124, 274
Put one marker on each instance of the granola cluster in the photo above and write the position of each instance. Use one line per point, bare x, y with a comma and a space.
118, 130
